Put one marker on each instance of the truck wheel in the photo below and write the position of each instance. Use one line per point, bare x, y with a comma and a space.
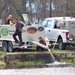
4, 46
10, 46
61, 45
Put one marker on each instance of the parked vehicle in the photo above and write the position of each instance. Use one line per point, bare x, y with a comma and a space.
29, 33
60, 30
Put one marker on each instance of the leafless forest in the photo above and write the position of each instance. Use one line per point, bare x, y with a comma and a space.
37, 9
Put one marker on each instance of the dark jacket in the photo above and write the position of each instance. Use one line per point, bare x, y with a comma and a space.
42, 42
19, 27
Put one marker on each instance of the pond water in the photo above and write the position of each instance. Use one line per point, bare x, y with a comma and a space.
61, 70
40, 71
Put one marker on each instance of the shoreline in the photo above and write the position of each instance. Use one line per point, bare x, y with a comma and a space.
33, 60
49, 65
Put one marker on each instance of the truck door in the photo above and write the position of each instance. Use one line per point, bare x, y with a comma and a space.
48, 26
51, 30
48, 29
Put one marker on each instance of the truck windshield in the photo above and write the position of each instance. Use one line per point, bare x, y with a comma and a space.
44, 23
49, 23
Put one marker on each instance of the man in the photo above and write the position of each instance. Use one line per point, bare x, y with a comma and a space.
10, 20
41, 40
18, 32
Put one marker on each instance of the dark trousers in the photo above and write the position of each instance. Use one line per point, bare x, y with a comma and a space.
38, 48
19, 34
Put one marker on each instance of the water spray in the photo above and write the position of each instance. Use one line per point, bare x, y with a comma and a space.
45, 47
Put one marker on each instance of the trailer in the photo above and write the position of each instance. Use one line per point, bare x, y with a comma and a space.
29, 33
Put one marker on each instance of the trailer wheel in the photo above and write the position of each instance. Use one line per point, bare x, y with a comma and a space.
61, 45
10, 46
5, 46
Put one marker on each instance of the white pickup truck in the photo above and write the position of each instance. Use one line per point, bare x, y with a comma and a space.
60, 30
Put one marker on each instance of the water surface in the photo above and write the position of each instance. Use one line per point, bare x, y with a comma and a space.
40, 71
